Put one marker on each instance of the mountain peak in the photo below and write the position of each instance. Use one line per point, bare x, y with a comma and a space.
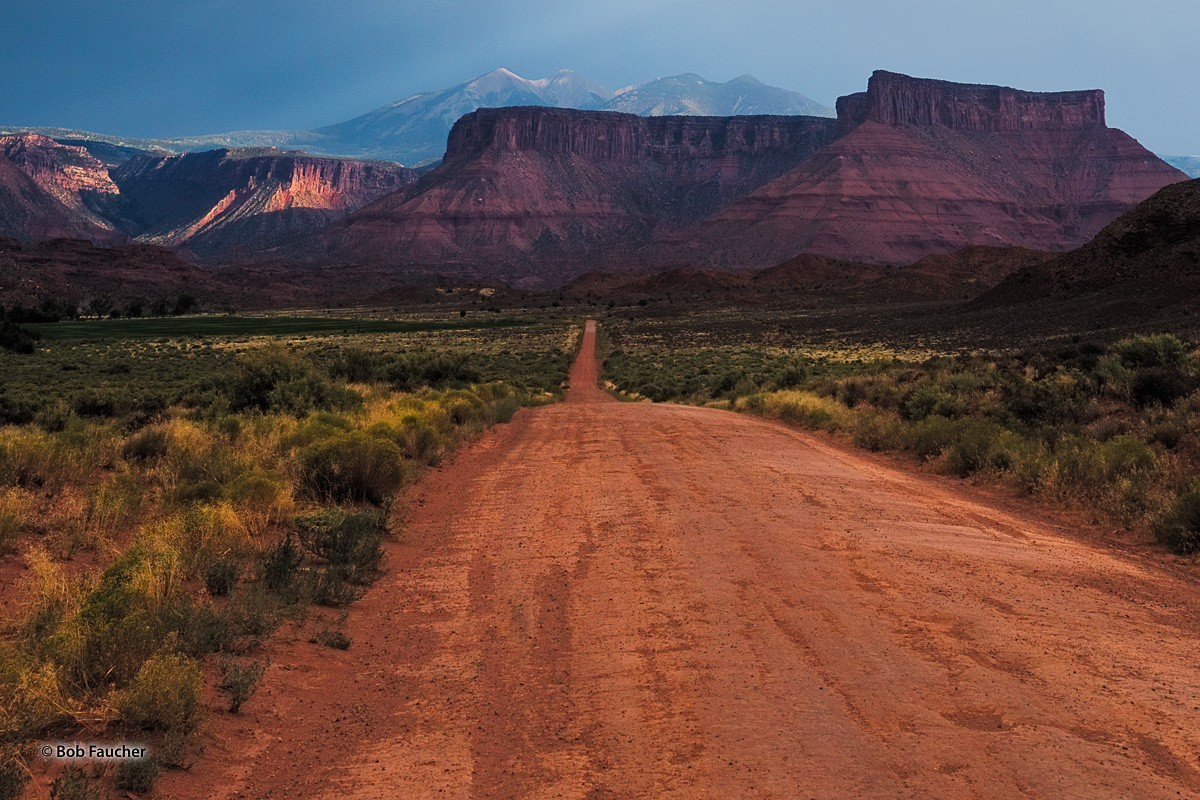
502, 72
692, 94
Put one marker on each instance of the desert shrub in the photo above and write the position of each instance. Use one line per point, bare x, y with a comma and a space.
409, 372
981, 445
1159, 386
356, 365
139, 601
114, 502
200, 534
350, 542
33, 459
138, 775
929, 400
221, 575
418, 440
352, 466
878, 431
240, 681
164, 695
1179, 529
274, 379
74, 784
101, 403
208, 629
932, 435
334, 586
17, 339
148, 444
13, 775
261, 497
1162, 350
462, 409
1113, 377
652, 392
850, 391
1169, 432
279, 566
259, 612
316, 428
16, 411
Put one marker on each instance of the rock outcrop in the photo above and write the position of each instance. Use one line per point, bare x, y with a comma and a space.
218, 201
894, 99
530, 188
925, 167
50, 190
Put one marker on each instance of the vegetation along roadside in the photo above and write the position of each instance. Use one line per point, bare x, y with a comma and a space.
1109, 428
169, 498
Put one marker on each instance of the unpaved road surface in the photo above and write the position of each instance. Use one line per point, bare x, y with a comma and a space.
611, 600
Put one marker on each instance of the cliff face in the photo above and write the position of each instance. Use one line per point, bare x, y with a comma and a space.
925, 167
49, 190
218, 200
624, 138
71, 175
894, 99
527, 188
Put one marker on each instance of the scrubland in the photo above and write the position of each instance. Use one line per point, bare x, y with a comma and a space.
1111, 429
168, 501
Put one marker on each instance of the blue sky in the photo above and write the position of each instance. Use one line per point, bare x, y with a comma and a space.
177, 67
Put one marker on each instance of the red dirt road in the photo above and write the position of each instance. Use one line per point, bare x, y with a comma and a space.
612, 600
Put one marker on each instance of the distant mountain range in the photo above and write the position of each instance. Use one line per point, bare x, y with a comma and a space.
534, 195
1188, 164
413, 131
909, 168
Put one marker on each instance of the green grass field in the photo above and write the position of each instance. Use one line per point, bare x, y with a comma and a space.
110, 330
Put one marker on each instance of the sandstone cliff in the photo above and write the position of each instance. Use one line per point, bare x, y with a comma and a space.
217, 201
894, 99
910, 168
925, 167
49, 190
71, 175
527, 188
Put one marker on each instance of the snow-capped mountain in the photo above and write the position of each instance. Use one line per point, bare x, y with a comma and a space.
693, 95
413, 131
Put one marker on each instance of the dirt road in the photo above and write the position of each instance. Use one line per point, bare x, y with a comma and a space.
612, 600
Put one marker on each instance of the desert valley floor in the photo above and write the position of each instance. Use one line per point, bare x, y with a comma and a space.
612, 600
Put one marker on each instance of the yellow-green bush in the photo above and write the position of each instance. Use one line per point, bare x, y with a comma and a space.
261, 498
1179, 528
352, 466
114, 503
164, 695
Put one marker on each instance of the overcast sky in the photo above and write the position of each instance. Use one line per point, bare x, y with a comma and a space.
176, 67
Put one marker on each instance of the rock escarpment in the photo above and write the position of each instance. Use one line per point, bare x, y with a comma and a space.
531, 188
217, 201
48, 189
894, 99
910, 168
924, 167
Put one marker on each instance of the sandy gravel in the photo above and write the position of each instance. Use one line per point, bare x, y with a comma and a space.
615, 600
